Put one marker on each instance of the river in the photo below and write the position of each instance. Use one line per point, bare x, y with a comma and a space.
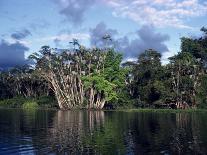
101, 132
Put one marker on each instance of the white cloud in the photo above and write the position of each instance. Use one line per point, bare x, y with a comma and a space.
166, 55
161, 13
13, 41
66, 37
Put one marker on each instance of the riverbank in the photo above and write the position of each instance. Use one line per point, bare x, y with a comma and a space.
43, 102
163, 110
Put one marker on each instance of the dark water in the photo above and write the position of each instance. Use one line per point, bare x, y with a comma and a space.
82, 132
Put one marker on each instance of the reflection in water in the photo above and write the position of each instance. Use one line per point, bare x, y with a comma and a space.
186, 137
69, 127
22, 130
99, 132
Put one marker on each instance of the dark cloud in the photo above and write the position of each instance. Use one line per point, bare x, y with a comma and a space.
149, 38
146, 38
12, 55
99, 32
21, 34
74, 10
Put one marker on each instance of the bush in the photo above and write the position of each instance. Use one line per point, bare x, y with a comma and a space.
21, 102
15, 102
30, 105
47, 102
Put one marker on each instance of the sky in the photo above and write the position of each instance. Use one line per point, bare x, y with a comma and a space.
134, 25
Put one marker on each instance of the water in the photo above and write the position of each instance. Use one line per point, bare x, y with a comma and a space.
99, 132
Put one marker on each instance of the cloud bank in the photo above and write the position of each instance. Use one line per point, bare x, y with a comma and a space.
12, 54
146, 38
97, 33
66, 37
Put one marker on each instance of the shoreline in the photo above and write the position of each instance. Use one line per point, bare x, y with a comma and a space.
147, 110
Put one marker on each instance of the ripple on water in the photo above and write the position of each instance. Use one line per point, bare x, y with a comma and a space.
92, 132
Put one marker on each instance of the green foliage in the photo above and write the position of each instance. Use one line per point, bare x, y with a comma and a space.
15, 102
115, 74
22, 81
145, 82
179, 81
112, 70
110, 81
147, 73
100, 85
47, 102
202, 93
30, 105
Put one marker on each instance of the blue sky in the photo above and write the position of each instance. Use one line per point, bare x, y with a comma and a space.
135, 25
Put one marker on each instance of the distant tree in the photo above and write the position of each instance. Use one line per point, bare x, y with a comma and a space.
147, 73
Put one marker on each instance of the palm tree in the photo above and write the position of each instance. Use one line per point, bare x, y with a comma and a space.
75, 43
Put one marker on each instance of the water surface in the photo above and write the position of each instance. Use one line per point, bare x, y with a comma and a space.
99, 132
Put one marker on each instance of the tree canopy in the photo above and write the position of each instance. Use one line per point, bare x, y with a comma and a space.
92, 78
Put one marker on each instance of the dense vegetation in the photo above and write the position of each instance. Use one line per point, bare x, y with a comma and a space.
94, 78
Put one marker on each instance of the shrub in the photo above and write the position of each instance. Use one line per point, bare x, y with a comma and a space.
15, 102
30, 105
47, 102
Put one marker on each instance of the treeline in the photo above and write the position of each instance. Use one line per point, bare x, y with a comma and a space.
94, 78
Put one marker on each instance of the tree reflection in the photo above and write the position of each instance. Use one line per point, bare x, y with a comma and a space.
70, 127
186, 135
99, 132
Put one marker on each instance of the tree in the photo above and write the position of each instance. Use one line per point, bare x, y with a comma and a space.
83, 78
147, 84
22, 81
188, 70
